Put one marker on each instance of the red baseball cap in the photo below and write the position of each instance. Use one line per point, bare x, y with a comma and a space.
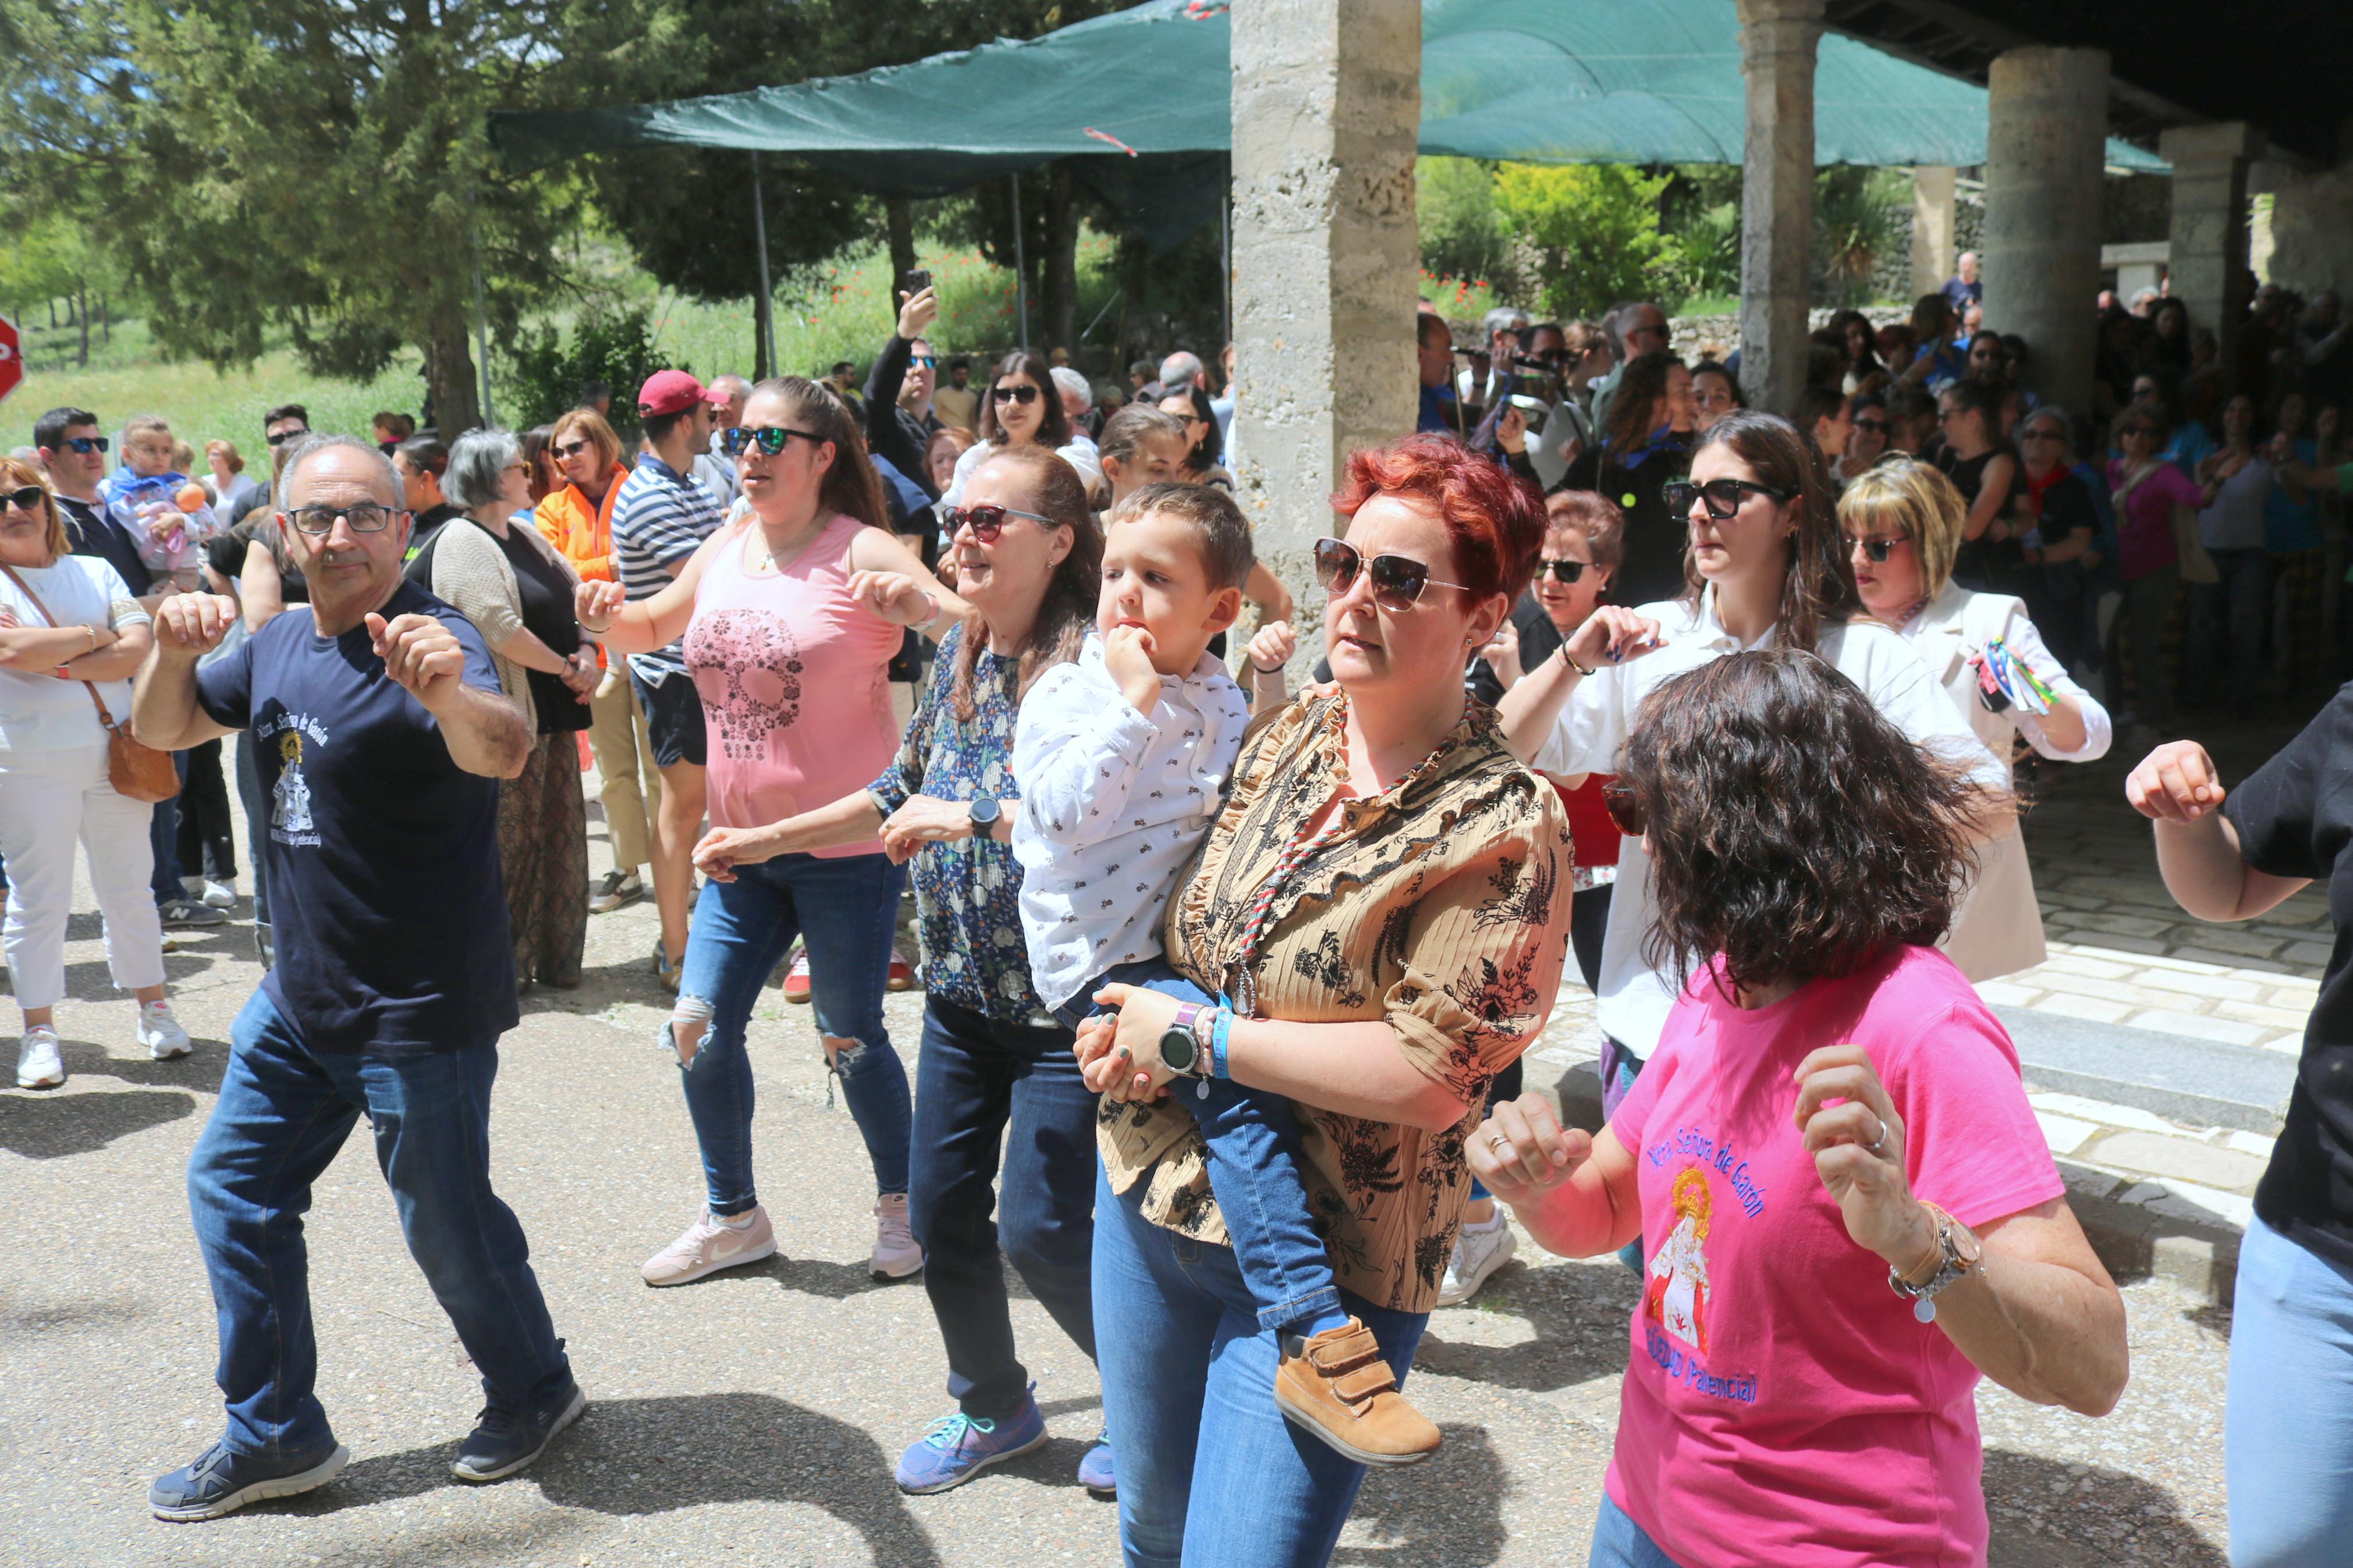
673, 391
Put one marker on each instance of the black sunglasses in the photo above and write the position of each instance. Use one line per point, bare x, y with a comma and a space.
1721, 497
86, 445
1025, 393
1563, 570
276, 437
1397, 581
1875, 550
769, 438
26, 499
986, 521
1624, 810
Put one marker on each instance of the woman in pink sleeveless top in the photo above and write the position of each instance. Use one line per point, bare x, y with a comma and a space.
791, 618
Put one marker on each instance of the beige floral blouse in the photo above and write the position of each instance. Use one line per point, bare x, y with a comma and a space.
1442, 906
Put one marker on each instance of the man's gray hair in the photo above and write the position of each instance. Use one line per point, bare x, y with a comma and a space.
478, 466
732, 384
1180, 370
314, 444
1070, 380
1506, 318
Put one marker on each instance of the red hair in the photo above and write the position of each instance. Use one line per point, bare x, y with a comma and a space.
1494, 521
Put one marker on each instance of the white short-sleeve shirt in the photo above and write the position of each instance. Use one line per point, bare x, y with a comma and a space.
38, 712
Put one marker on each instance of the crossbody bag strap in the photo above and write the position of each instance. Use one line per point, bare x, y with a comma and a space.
104, 716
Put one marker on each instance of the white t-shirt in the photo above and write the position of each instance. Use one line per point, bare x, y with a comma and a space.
38, 712
1633, 998
1082, 458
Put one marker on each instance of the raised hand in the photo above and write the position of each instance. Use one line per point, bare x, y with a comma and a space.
1858, 1148
189, 625
2175, 782
917, 311
594, 605
421, 655
1273, 645
1503, 654
1613, 635
894, 596
1127, 657
1521, 1150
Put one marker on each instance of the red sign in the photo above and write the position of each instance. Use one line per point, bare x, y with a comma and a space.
11, 358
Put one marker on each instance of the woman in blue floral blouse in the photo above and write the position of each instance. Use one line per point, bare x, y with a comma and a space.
1028, 558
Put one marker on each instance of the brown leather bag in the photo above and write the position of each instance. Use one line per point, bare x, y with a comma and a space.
137, 772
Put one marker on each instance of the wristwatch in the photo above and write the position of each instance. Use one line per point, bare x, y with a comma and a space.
1957, 1256
1180, 1048
985, 813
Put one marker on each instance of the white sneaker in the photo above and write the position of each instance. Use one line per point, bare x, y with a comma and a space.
707, 1246
161, 1032
221, 894
38, 1065
896, 1256
1479, 1251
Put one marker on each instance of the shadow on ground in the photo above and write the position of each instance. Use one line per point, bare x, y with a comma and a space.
53, 1126
2050, 1515
634, 1456
1446, 1514
1578, 1313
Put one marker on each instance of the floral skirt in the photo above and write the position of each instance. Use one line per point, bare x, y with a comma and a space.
543, 850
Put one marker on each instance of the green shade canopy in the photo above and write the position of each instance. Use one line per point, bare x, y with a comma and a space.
1138, 102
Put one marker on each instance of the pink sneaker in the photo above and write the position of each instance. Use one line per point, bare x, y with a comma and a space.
707, 1246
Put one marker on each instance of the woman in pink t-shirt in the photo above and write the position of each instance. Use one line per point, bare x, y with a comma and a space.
1799, 1392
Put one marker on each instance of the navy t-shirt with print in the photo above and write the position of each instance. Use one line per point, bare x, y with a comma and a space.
384, 893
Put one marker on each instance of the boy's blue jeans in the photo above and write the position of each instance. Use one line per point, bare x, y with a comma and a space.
1255, 1158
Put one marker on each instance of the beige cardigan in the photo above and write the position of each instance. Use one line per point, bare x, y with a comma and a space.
472, 576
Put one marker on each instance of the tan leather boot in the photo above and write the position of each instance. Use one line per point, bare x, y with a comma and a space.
1336, 1387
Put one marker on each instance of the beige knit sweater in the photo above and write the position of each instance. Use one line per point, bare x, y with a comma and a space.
471, 575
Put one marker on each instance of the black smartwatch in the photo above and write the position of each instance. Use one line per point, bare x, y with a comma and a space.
985, 813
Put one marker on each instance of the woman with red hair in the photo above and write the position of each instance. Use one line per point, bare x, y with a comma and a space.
1382, 904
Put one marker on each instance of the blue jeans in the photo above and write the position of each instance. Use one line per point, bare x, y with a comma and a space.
283, 1114
1619, 1542
842, 908
1254, 1163
1210, 1473
163, 834
2287, 1426
2235, 605
978, 1077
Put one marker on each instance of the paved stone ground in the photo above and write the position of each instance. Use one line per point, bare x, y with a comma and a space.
753, 1418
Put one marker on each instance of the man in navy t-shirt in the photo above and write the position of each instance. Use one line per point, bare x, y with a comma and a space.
382, 735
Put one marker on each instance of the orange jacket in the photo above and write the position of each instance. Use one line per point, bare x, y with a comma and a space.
581, 533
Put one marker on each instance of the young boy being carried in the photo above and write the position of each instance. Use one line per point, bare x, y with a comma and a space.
1123, 756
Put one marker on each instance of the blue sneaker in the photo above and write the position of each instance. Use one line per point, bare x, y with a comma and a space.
1096, 1472
959, 1447
218, 1482
507, 1441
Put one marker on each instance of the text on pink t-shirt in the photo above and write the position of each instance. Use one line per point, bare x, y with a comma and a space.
1781, 1404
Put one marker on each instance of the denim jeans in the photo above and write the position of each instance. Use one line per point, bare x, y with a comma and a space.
283, 1114
1619, 1542
2232, 609
976, 1078
2287, 1424
1255, 1157
164, 837
843, 908
1210, 1473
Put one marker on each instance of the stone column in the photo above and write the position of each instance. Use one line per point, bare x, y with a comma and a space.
1327, 107
1934, 254
2046, 145
1777, 198
2312, 222
2208, 252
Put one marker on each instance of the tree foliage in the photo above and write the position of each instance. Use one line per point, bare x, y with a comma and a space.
1594, 228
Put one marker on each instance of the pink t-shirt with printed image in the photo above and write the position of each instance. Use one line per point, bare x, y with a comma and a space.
1781, 1404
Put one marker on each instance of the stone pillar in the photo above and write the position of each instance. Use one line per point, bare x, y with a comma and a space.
2312, 224
2208, 241
1776, 197
1934, 254
2046, 145
1328, 109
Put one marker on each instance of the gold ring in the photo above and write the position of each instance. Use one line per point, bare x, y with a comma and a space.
1498, 1143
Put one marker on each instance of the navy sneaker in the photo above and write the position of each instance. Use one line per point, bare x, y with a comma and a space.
960, 1446
508, 1441
1096, 1472
219, 1481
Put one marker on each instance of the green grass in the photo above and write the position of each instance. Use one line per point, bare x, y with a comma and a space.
200, 405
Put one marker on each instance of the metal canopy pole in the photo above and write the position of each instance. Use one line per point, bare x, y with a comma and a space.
1226, 246
764, 312
1020, 268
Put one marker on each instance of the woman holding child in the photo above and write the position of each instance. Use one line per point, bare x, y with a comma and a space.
1380, 909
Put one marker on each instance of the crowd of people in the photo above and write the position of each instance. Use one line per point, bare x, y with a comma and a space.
1225, 983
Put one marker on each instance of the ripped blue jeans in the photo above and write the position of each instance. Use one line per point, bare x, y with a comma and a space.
844, 907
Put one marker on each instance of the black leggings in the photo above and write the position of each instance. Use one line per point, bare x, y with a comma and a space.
208, 843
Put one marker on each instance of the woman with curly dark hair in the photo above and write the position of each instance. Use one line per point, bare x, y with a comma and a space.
1848, 1212
1768, 568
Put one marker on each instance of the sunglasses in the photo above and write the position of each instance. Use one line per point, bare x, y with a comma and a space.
570, 449
1024, 394
2041, 434
1720, 497
1624, 810
769, 438
924, 362
1875, 550
1397, 581
1563, 570
276, 437
1877, 425
367, 517
986, 521
29, 498
86, 445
